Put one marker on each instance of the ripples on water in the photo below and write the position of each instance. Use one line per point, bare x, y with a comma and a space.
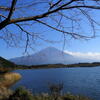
84, 81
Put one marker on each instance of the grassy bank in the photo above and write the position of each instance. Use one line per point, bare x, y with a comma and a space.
8, 79
23, 94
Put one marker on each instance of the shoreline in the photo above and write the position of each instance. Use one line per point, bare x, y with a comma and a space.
10, 78
47, 66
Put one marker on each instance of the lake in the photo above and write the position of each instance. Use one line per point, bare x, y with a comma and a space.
84, 81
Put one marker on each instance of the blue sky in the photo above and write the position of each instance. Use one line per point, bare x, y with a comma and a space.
81, 46
71, 45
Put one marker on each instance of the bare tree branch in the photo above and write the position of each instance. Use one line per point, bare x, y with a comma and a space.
39, 16
53, 5
90, 7
74, 35
6, 21
4, 8
63, 16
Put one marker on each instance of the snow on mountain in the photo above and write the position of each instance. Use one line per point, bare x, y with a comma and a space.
48, 55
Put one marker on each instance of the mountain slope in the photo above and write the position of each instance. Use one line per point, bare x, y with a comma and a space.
6, 65
48, 55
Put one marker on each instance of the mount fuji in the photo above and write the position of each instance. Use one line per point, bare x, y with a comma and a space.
49, 55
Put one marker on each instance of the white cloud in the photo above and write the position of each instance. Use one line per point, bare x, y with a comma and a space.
88, 55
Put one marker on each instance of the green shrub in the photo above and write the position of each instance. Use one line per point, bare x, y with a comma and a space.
73, 97
21, 94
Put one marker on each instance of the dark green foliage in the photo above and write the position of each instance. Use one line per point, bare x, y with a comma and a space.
21, 94
94, 64
72, 97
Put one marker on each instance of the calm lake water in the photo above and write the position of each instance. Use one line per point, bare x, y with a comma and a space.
84, 81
